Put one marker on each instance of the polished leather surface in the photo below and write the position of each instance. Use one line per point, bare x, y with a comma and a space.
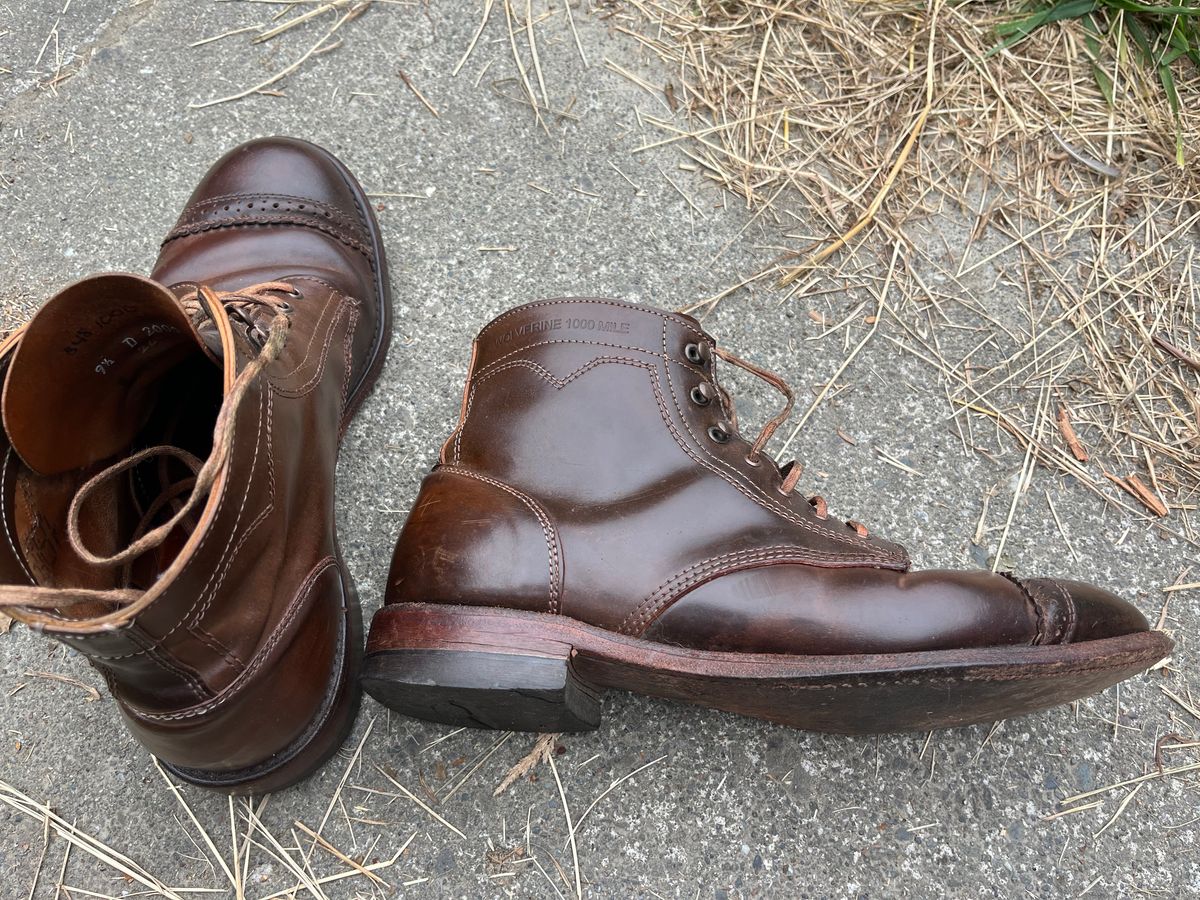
583, 481
235, 652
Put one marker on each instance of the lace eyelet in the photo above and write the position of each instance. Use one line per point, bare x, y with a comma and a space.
718, 435
755, 461
699, 397
285, 307
294, 294
694, 354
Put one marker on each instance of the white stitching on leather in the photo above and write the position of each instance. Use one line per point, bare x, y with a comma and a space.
299, 603
679, 584
12, 542
759, 496
189, 618
543, 519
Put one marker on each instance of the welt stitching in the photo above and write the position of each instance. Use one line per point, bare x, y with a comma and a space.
1108, 664
758, 496
277, 634
543, 520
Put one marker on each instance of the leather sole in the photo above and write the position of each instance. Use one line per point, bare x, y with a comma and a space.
333, 724
527, 671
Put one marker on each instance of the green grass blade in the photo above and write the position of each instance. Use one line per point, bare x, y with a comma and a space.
1104, 82
1168, 83
1140, 39
1135, 6
1016, 31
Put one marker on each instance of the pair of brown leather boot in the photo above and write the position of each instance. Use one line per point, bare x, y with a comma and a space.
595, 521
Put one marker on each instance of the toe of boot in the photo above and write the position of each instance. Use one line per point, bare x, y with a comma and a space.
1071, 612
277, 165
276, 208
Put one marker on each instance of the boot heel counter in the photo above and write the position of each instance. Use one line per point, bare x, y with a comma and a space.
206, 742
474, 541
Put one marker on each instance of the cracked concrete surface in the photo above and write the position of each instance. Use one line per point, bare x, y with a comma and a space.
93, 172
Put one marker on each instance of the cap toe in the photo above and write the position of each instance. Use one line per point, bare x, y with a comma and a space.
277, 165
1073, 611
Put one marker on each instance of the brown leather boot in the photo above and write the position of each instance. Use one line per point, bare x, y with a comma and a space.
596, 521
169, 472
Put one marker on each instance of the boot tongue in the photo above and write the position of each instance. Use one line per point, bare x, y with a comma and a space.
89, 367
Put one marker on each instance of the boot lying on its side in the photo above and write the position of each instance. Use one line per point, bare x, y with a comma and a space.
168, 469
596, 521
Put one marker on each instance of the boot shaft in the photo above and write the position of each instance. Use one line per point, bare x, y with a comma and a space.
595, 466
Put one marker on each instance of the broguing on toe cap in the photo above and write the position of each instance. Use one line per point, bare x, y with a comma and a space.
275, 208
1071, 612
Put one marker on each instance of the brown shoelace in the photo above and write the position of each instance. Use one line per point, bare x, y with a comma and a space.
245, 304
791, 471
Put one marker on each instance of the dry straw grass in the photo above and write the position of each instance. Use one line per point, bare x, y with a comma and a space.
863, 128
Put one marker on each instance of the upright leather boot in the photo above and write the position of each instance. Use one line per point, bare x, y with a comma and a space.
168, 475
596, 521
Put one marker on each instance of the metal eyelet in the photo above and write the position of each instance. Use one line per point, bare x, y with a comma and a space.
694, 354
286, 307
699, 397
294, 294
755, 461
718, 434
